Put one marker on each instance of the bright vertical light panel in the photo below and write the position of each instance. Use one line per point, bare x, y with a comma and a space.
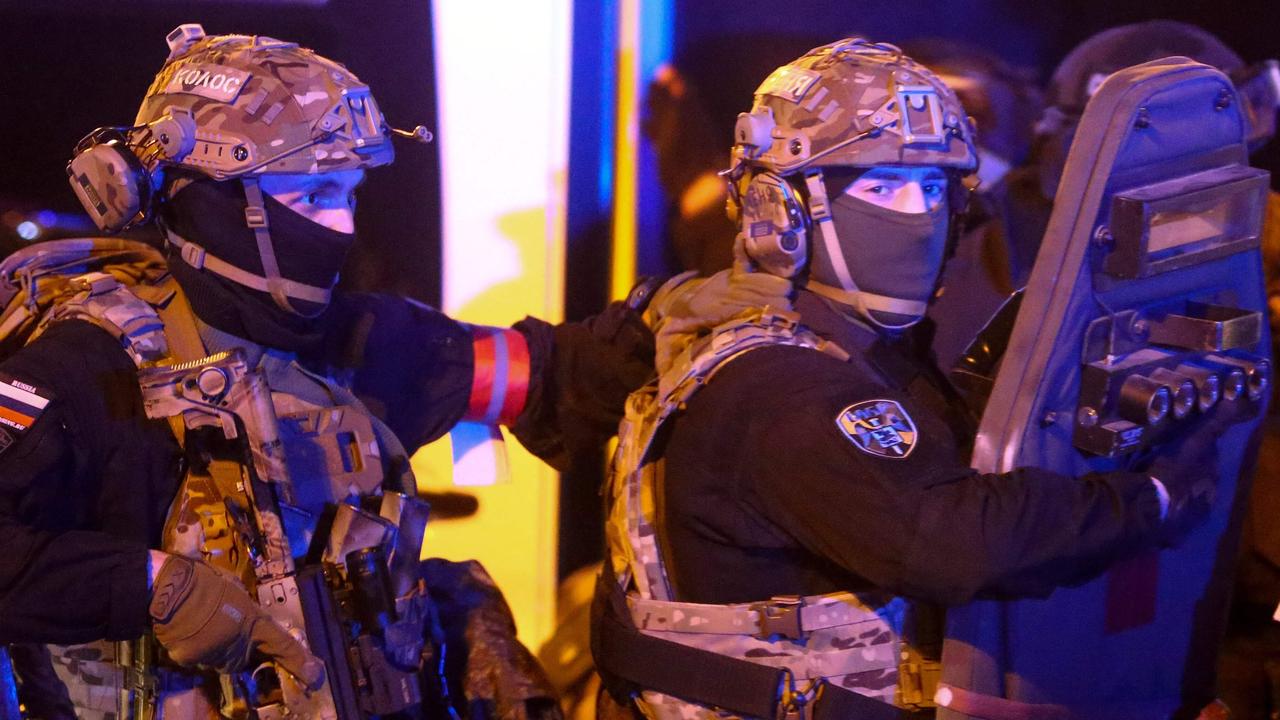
644, 44
626, 150
503, 90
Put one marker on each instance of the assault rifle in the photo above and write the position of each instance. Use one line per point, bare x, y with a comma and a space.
364, 621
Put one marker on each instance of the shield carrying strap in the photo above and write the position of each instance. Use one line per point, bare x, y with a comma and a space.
623, 653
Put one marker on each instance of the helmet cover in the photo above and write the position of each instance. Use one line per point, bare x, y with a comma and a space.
854, 103
262, 105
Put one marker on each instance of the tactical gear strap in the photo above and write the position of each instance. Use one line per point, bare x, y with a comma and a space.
624, 653
806, 614
103, 301
500, 381
200, 259
848, 293
868, 300
180, 325
820, 211
255, 217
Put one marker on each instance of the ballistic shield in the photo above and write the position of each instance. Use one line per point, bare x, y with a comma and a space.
1145, 307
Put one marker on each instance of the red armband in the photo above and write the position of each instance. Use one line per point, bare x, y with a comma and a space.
500, 382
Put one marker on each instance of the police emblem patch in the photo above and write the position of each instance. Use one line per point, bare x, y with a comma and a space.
878, 427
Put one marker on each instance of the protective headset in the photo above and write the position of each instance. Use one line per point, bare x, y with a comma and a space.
774, 223
777, 219
115, 170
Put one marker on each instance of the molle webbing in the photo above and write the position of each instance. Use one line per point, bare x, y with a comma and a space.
783, 656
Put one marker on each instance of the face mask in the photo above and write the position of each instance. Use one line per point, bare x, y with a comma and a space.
893, 258
211, 214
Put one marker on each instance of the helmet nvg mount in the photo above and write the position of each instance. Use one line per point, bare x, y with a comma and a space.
233, 107
853, 103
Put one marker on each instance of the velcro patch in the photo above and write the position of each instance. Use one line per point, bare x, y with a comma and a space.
788, 83
214, 82
879, 427
21, 404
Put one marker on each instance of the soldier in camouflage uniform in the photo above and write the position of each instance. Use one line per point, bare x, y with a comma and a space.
118, 517
790, 501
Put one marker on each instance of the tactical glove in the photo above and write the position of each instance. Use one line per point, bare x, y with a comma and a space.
1187, 466
204, 618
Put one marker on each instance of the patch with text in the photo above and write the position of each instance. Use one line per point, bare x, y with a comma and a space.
21, 404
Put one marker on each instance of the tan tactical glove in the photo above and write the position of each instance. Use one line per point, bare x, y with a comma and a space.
204, 618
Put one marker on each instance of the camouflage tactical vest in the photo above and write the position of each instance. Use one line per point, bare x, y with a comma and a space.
852, 640
333, 444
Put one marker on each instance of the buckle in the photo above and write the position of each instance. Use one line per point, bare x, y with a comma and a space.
779, 616
193, 255
797, 704
255, 217
819, 204
918, 682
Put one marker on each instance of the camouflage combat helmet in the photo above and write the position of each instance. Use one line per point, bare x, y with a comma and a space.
233, 107
261, 105
854, 103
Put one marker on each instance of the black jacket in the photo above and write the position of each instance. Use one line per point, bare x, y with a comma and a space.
764, 494
85, 490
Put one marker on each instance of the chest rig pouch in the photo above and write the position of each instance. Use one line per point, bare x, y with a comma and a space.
843, 646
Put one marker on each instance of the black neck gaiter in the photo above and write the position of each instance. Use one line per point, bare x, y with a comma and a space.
211, 214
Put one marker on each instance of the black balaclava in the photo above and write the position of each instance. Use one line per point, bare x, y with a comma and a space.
211, 214
894, 255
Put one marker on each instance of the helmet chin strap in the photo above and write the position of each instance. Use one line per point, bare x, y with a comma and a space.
280, 288
848, 293
255, 217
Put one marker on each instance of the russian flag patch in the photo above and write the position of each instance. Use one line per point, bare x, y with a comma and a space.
21, 404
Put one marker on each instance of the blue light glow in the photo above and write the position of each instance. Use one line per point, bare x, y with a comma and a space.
28, 230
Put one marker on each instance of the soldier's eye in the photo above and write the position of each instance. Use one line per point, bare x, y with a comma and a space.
878, 190
933, 189
312, 198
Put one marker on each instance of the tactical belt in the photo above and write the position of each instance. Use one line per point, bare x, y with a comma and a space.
622, 652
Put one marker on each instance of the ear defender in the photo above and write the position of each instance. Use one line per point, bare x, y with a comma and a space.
774, 225
114, 170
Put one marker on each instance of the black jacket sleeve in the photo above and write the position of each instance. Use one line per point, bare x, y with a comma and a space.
922, 524
410, 364
582, 373
69, 571
413, 366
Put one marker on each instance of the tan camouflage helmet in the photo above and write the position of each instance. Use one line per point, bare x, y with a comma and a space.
854, 103
260, 105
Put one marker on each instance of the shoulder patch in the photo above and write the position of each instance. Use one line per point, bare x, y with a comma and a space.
878, 427
21, 405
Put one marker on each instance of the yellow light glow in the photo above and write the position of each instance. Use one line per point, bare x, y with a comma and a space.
503, 201
626, 151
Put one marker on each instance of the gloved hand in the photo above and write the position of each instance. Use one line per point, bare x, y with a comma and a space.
581, 375
1187, 466
204, 618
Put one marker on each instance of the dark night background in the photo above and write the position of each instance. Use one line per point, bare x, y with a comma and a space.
67, 66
